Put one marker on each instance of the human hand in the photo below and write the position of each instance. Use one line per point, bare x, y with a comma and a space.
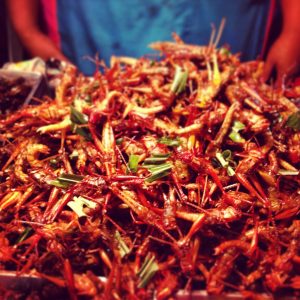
283, 58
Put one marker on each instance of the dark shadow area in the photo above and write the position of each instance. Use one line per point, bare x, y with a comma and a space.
3, 34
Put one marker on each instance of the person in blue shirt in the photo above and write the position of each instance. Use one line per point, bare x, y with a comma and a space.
78, 29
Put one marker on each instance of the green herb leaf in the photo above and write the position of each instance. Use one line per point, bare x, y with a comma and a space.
147, 270
78, 203
158, 171
82, 131
70, 178
165, 155
59, 184
179, 82
293, 121
133, 162
169, 142
154, 169
237, 126
77, 117
65, 180
156, 159
227, 155
123, 248
157, 166
288, 172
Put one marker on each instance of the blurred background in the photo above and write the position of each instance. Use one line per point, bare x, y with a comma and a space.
10, 47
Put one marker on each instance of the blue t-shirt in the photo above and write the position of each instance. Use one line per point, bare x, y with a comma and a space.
127, 27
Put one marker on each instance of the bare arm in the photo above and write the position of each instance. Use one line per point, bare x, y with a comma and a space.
284, 55
24, 18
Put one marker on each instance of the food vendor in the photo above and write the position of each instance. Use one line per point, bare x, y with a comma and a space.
76, 30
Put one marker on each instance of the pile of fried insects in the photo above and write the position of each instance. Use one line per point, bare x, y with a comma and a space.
159, 175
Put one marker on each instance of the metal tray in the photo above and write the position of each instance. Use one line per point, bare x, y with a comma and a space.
33, 79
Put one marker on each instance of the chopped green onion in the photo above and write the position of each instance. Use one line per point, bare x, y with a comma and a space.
234, 134
293, 121
133, 162
236, 137
165, 155
169, 142
224, 159
179, 82
24, 235
59, 184
123, 248
288, 172
78, 203
147, 270
230, 171
227, 155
